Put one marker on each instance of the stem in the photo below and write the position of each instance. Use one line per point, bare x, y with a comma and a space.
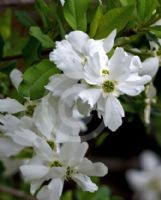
16, 193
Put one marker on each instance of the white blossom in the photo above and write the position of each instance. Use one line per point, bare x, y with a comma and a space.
101, 80
57, 167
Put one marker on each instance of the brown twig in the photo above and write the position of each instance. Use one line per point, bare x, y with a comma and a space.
16, 193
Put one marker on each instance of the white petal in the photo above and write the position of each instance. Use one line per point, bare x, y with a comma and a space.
59, 84
9, 123
113, 113
149, 160
73, 153
85, 183
24, 137
150, 66
134, 85
90, 96
108, 42
77, 39
8, 147
35, 185
93, 67
34, 172
137, 180
92, 169
53, 191
16, 77
67, 60
9, 105
62, 2
42, 117
119, 65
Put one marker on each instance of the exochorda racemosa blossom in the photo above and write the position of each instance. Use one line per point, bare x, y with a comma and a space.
98, 79
56, 167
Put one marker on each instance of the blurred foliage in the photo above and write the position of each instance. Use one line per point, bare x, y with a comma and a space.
103, 193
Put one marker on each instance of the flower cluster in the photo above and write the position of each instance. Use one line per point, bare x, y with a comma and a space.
44, 134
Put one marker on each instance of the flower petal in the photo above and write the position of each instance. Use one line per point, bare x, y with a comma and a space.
9, 105
108, 42
16, 77
85, 183
67, 60
59, 84
149, 160
34, 172
24, 137
8, 147
42, 117
150, 67
77, 39
113, 113
90, 96
73, 153
92, 169
53, 191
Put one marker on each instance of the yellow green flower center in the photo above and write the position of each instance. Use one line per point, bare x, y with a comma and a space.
69, 173
108, 86
56, 163
154, 184
104, 72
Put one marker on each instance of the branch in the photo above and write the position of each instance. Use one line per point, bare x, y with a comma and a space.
16, 193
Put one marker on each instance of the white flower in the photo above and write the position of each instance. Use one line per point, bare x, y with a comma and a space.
103, 80
58, 167
71, 54
147, 182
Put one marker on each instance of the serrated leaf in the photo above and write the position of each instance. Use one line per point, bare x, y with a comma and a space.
24, 18
75, 14
116, 18
35, 78
44, 39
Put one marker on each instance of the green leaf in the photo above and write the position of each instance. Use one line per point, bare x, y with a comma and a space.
25, 19
116, 18
156, 30
43, 10
127, 2
5, 25
145, 9
44, 39
75, 13
35, 78
96, 20
32, 51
